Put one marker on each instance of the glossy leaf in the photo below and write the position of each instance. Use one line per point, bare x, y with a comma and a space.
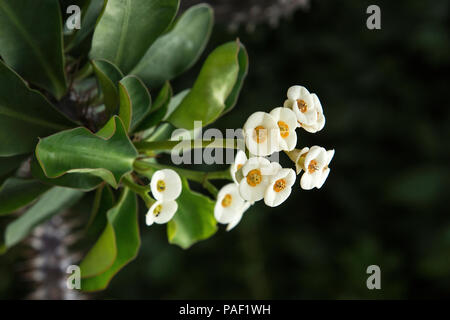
25, 115
122, 222
104, 200
194, 220
16, 193
243, 70
158, 110
135, 102
108, 76
89, 16
177, 50
175, 102
215, 83
127, 28
49, 204
82, 181
31, 42
78, 150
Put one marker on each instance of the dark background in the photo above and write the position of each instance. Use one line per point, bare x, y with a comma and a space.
385, 98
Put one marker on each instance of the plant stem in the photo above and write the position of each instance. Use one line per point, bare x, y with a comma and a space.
145, 146
201, 177
142, 191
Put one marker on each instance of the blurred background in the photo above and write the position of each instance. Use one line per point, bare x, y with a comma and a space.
385, 98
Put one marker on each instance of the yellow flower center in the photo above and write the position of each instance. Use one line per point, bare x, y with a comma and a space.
260, 134
284, 129
160, 185
226, 201
239, 166
312, 167
254, 177
302, 106
279, 185
157, 210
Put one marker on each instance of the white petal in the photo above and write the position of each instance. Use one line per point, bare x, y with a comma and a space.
307, 182
149, 218
272, 141
312, 154
227, 214
250, 193
168, 210
330, 155
323, 178
317, 104
239, 160
297, 92
172, 185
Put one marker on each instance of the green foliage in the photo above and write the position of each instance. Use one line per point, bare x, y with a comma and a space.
127, 28
74, 103
49, 204
31, 42
135, 102
108, 76
25, 115
78, 150
16, 193
194, 220
215, 88
116, 247
177, 50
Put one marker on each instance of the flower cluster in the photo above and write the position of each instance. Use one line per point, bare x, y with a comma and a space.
256, 178
166, 188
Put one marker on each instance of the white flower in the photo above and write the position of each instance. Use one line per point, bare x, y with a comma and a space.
261, 134
239, 162
287, 123
325, 169
166, 185
280, 187
229, 205
298, 157
320, 122
307, 108
257, 174
315, 164
161, 212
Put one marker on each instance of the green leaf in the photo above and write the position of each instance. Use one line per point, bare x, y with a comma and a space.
16, 193
127, 28
122, 223
194, 220
31, 42
104, 200
89, 16
108, 76
135, 101
25, 115
216, 82
243, 70
49, 204
175, 102
82, 181
158, 110
79, 150
177, 50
